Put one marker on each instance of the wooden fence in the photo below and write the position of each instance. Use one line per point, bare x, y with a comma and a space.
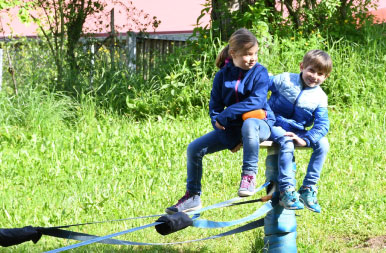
152, 51
139, 53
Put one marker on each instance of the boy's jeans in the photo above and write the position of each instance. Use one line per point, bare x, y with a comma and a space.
252, 133
286, 156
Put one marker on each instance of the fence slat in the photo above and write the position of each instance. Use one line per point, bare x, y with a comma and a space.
1, 69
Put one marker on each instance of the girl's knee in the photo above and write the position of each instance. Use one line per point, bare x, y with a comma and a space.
250, 125
255, 129
196, 149
193, 149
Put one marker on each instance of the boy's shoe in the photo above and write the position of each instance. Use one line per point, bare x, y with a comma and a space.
247, 185
289, 199
189, 202
308, 198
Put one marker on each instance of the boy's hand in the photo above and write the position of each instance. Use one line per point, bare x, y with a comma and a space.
237, 148
296, 139
219, 126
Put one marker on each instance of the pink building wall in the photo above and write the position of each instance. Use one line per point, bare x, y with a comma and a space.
380, 13
177, 16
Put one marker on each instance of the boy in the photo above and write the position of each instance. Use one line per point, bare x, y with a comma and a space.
298, 102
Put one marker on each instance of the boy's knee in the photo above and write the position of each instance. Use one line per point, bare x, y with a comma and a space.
286, 145
323, 145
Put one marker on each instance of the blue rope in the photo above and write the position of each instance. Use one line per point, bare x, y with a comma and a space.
101, 238
220, 224
227, 202
199, 223
84, 237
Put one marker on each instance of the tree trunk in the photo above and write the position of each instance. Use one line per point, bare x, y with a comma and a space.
294, 14
220, 16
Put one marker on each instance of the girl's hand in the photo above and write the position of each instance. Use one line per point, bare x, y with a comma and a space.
296, 139
219, 126
237, 148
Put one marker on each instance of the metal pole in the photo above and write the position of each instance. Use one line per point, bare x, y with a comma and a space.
280, 223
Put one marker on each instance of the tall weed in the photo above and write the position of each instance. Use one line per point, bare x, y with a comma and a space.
31, 62
36, 109
358, 68
181, 83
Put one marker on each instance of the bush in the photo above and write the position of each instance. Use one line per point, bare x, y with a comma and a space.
181, 84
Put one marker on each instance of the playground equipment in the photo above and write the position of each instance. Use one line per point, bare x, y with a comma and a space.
279, 223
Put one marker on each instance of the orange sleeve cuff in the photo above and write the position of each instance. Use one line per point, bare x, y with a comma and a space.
257, 114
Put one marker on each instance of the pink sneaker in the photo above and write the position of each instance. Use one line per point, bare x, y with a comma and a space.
247, 185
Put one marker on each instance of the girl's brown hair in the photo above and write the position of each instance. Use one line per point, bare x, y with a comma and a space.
242, 39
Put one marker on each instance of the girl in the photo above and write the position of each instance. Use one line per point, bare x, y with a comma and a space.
240, 86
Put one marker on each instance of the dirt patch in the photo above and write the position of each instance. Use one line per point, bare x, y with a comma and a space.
370, 244
378, 242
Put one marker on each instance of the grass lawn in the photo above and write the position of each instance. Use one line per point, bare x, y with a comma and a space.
101, 167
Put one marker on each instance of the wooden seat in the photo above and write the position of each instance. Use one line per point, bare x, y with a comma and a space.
268, 144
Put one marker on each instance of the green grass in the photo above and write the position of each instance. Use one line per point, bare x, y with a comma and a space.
65, 163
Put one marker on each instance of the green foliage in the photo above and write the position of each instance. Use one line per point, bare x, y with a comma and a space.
357, 76
256, 18
7, 4
121, 144
334, 17
67, 162
61, 25
180, 91
32, 63
181, 83
357, 83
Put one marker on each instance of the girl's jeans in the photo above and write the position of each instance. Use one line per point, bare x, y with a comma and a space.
252, 132
286, 156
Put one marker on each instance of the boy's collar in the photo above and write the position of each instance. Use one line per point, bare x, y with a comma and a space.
304, 85
301, 80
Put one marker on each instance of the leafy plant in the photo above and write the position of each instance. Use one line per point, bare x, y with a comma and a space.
335, 17
61, 24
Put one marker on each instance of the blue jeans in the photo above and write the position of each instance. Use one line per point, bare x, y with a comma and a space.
252, 132
286, 156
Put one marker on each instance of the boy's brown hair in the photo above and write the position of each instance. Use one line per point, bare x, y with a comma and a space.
318, 59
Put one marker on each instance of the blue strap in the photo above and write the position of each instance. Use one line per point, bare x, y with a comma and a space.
89, 239
227, 202
98, 239
220, 224
195, 214
99, 222
84, 237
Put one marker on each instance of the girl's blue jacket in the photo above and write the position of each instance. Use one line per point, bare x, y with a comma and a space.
236, 91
